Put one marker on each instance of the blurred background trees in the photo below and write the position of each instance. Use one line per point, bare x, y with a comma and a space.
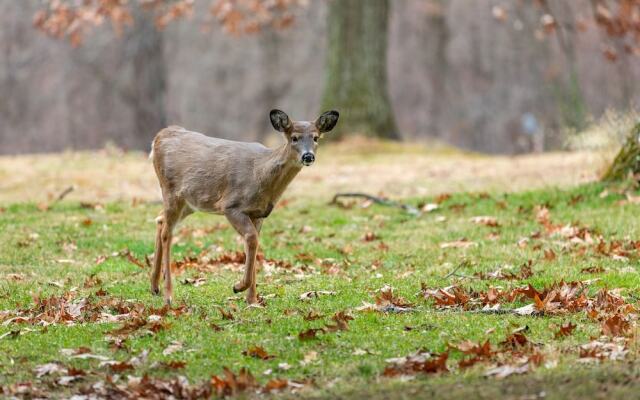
490, 75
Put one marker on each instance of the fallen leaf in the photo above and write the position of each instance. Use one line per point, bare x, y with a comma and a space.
309, 334
370, 237
504, 371
49, 369
173, 364
284, 366
258, 352
419, 362
485, 220
172, 348
231, 384
275, 384
549, 255
120, 367
565, 330
616, 325
604, 349
312, 316
592, 270
226, 314
194, 281
309, 358
429, 207
315, 294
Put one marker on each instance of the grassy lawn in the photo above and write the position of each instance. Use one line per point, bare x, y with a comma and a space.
77, 252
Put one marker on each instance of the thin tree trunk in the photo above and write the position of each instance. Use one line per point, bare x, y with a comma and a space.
438, 64
274, 89
356, 77
145, 46
572, 102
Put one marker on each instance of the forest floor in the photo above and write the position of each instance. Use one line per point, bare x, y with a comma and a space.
496, 290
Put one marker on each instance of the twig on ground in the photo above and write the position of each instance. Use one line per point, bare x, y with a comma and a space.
63, 194
450, 274
464, 263
378, 200
44, 206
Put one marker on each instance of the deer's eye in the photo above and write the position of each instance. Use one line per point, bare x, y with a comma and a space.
315, 139
294, 139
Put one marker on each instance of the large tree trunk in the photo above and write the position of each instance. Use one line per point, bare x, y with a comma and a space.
628, 159
356, 80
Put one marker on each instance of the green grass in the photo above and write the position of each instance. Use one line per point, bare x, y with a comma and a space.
59, 247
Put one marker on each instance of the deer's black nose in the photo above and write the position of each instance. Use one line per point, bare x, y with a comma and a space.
308, 158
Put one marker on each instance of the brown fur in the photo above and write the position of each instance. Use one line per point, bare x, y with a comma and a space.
242, 181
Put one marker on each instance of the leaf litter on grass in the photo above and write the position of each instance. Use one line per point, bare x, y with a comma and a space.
614, 315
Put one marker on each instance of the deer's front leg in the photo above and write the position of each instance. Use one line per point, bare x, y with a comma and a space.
245, 227
167, 230
171, 216
157, 258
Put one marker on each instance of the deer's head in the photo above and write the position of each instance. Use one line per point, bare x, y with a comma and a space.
303, 136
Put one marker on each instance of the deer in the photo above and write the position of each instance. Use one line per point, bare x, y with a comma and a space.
240, 180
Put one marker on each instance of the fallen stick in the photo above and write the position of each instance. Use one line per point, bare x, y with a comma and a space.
455, 270
378, 200
500, 311
46, 206
63, 194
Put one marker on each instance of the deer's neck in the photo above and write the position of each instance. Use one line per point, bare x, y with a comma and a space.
278, 170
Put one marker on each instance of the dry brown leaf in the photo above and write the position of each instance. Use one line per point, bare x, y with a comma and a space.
172, 348
485, 220
306, 296
565, 330
258, 352
419, 362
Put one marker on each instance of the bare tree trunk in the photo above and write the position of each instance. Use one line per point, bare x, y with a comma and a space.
356, 77
273, 89
144, 45
572, 103
435, 56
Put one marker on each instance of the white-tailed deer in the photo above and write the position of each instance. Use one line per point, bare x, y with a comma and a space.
240, 180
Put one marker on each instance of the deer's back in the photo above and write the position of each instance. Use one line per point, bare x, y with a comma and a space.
207, 172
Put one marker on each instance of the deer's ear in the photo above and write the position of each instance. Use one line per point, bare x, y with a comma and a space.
280, 120
327, 121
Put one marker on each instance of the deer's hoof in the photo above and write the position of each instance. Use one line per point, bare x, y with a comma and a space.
239, 287
252, 300
167, 301
155, 291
